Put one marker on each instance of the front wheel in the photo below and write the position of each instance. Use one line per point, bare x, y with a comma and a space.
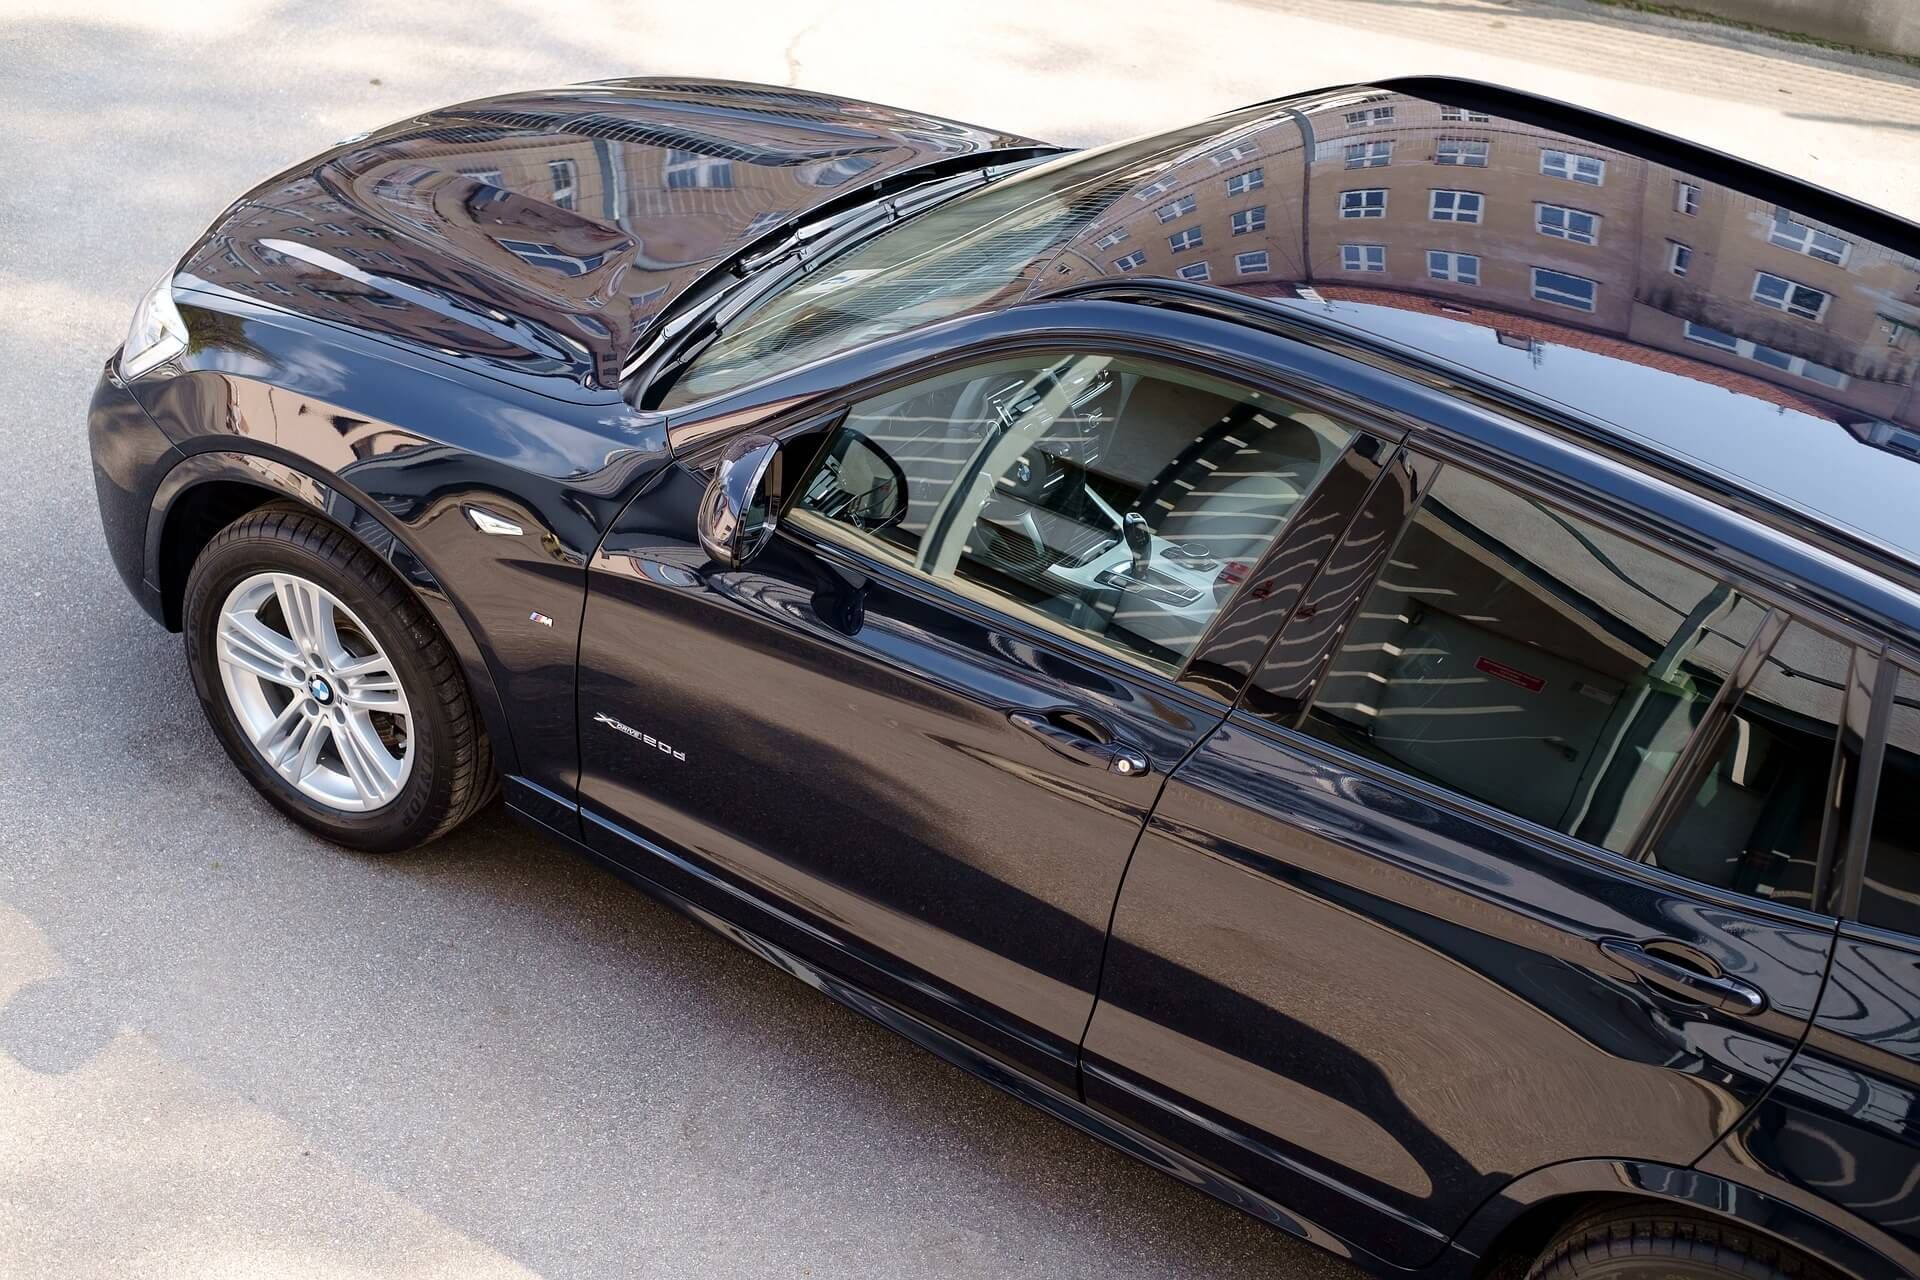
329, 685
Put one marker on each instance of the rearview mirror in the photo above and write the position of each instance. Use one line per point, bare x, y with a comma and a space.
736, 512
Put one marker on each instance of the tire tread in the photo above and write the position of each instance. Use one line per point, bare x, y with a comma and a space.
1656, 1232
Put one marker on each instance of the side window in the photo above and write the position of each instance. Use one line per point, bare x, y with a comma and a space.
1762, 811
1890, 889
1532, 660
1114, 499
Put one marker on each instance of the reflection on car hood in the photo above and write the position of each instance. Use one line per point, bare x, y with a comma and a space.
539, 232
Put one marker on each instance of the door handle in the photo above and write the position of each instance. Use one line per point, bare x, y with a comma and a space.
1715, 990
1068, 734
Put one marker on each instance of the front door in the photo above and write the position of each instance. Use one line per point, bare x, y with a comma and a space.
915, 739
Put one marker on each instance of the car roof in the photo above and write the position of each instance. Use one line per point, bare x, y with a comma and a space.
1700, 309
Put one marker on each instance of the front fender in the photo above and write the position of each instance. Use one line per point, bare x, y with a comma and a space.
1689, 1188
284, 477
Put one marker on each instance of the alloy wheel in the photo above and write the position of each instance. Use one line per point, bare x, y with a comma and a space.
314, 692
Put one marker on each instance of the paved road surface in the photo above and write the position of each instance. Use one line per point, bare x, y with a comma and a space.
227, 1050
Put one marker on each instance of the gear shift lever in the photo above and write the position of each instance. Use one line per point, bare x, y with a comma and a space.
1139, 538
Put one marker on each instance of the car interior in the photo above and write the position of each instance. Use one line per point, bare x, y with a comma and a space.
1543, 665
1118, 499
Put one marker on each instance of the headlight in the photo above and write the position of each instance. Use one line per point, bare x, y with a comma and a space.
157, 333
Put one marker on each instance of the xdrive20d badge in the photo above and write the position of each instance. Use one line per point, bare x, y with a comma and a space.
1365, 650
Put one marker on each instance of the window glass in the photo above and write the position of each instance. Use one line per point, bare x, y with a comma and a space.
1532, 660
1762, 810
1890, 890
1114, 499
963, 254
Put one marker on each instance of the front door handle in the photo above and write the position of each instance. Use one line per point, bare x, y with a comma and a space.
1715, 990
1071, 735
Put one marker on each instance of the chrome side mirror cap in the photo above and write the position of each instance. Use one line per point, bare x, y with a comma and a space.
736, 513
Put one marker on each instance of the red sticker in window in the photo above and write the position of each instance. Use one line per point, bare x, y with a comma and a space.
1512, 675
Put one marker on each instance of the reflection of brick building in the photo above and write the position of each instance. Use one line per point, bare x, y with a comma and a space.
542, 232
1480, 216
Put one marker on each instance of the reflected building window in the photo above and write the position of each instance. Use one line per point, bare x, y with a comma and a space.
1252, 263
1456, 268
1369, 115
1785, 295
1240, 183
1111, 239
1894, 439
1686, 198
1469, 153
1184, 239
1564, 290
1363, 257
1773, 358
690, 170
1573, 166
1452, 114
1234, 154
564, 177
1131, 262
1801, 238
1563, 223
1196, 271
1369, 155
486, 177
1455, 206
1679, 257
1364, 204
1246, 220
552, 258
1175, 209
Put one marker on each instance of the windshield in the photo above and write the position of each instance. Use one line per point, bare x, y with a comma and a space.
976, 251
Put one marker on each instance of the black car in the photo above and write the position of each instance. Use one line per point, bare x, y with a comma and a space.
1365, 651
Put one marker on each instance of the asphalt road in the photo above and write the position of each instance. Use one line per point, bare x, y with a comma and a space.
228, 1050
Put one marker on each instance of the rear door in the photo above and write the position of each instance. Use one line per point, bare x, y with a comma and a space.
914, 742
1429, 910
1840, 1134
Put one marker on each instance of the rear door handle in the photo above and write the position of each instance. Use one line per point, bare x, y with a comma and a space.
1715, 990
1069, 734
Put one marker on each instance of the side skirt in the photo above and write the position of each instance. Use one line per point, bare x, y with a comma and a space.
1453, 1263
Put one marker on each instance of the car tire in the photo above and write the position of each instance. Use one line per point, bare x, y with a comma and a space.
1652, 1242
397, 756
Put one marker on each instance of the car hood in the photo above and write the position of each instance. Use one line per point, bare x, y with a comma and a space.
537, 234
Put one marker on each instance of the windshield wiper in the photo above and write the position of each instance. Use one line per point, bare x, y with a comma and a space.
686, 328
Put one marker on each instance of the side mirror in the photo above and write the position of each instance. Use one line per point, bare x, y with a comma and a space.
736, 512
